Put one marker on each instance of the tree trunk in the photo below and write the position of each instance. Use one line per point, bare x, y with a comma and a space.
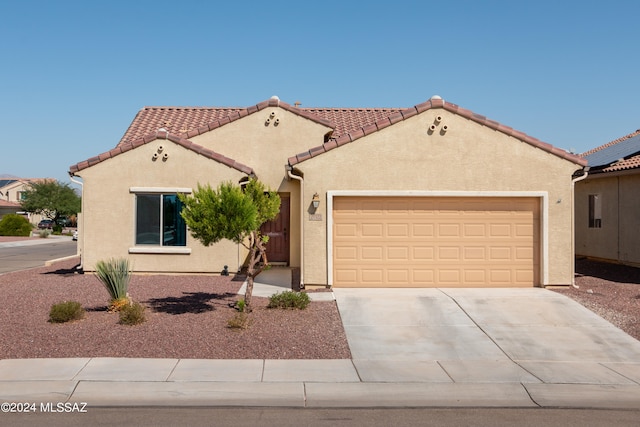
257, 252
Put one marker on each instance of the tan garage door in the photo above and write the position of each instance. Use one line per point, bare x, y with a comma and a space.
435, 241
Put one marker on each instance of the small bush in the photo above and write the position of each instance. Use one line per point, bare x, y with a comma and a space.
66, 311
289, 299
240, 305
132, 314
14, 225
239, 320
43, 234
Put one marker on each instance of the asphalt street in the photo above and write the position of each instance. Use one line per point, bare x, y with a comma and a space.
285, 417
15, 257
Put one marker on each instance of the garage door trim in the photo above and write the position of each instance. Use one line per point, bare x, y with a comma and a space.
542, 195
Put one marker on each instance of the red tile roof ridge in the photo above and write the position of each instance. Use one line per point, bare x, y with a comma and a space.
417, 109
161, 134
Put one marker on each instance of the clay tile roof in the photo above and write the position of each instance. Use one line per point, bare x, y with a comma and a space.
347, 125
124, 147
387, 117
630, 162
8, 204
188, 122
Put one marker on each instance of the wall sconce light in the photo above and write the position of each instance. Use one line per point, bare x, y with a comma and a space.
315, 202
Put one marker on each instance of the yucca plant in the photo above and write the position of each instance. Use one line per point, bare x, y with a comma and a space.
115, 275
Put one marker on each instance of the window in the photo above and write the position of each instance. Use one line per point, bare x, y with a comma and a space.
595, 211
158, 220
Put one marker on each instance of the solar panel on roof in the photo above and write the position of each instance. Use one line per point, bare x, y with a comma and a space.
616, 152
4, 182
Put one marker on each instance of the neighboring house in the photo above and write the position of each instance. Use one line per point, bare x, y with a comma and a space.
12, 193
7, 208
608, 203
432, 195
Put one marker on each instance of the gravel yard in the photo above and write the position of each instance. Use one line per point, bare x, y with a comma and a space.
187, 316
611, 291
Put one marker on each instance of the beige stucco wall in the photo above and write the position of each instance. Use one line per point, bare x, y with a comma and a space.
108, 207
468, 157
266, 148
618, 239
263, 147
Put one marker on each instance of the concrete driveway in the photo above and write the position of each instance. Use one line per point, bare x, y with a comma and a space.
483, 335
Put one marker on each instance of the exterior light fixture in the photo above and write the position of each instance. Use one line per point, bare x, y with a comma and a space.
315, 201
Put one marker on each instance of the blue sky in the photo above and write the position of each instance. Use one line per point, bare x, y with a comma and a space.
75, 73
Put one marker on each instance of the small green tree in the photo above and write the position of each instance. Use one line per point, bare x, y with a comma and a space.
51, 199
233, 213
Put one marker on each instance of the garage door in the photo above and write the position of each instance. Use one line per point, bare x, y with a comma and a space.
436, 242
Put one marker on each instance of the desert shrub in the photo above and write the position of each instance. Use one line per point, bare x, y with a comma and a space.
289, 299
240, 305
66, 311
14, 225
43, 234
132, 314
115, 275
239, 320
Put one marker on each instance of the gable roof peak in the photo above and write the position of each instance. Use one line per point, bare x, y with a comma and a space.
434, 102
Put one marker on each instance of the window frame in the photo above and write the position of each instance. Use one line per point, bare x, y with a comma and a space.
595, 211
157, 248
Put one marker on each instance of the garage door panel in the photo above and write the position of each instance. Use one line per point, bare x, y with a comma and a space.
423, 253
474, 230
372, 253
423, 230
372, 230
423, 241
400, 253
342, 230
398, 230
374, 276
476, 277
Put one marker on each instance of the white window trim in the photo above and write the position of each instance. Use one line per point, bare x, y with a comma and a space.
185, 190
177, 250
544, 217
151, 249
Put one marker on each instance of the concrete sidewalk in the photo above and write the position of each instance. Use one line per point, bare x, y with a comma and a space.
103, 382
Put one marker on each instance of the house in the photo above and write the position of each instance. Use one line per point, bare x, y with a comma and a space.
12, 191
432, 195
608, 203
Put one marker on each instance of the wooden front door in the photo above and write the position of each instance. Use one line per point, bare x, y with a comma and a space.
278, 232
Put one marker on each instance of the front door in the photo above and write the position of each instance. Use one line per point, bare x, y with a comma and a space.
278, 232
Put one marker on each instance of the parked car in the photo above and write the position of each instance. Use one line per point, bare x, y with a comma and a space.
45, 223
63, 221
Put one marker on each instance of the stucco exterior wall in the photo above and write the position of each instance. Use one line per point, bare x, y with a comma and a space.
109, 205
468, 157
108, 208
618, 238
265, 147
